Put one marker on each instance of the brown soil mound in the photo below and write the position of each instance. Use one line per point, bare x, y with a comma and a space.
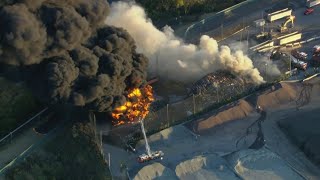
286, 93
240, 110
277, 95
156, 171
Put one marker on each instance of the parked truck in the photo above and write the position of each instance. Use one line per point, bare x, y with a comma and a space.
279, 14
312, 3
298, 63
316, 49
299, 55
315, 60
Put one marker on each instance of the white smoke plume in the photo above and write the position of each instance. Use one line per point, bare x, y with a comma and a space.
175, 59
266, 66
261, 62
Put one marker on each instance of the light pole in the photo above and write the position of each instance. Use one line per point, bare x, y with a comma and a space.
221, 31
290, 65
266, 72
194, 104
216, 85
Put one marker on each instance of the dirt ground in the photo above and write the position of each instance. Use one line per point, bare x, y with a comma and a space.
221, 146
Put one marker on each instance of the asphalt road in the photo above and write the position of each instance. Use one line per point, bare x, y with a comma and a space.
216, 24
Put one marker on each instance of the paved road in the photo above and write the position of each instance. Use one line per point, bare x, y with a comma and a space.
242, 15
277, 141
20, 140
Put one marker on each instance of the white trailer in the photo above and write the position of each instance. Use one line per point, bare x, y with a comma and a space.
295, 36
279, 14
289, 39
312, 3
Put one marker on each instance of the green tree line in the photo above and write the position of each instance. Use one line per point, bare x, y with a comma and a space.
158, 9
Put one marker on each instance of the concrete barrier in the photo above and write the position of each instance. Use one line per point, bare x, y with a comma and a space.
308, 78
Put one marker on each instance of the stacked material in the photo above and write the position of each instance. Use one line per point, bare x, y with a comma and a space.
220, 79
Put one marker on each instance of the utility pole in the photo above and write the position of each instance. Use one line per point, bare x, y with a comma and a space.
266, 72
263, 24
222, 31
168, 113
248, 38
194, 104
157, 64
109, 162
290, 65
216, 85
101, 139
218, 94
242, 30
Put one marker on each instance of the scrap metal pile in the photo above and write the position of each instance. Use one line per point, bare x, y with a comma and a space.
220, 80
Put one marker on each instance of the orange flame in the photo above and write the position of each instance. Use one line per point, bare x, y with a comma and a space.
137, 106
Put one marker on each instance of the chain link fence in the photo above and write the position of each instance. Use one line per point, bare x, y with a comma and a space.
198, 104
16, 132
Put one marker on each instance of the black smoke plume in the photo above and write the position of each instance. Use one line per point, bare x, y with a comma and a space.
67, 54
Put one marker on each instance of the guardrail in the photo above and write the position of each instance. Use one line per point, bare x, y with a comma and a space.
216, 14
308, 78
32, 148
234, 33
25, 123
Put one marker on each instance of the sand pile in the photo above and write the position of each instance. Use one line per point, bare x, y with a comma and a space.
156, 171
260, 164
279, 94
168, 136
275, 96
209, 167
241, 110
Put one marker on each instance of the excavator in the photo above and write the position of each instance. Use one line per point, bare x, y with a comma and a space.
284, 26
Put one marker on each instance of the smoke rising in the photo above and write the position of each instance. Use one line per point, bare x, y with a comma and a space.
177, 60
68, 54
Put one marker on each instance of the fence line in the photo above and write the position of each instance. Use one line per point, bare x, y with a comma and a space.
196, 106
53, 133
25, 123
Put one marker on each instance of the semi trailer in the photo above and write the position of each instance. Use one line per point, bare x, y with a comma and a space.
313, 3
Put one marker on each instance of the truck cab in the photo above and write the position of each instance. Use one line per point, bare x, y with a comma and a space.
154, 155
299, 55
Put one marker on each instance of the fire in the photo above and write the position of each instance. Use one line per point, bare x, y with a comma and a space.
137, 106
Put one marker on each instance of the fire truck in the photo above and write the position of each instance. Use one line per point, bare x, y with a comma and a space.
298, 63
154, 155
316, 49
150, 155
315, 60
299, 55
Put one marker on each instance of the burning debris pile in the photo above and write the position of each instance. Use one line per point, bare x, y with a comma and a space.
68, 54
223, 80
137, 106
